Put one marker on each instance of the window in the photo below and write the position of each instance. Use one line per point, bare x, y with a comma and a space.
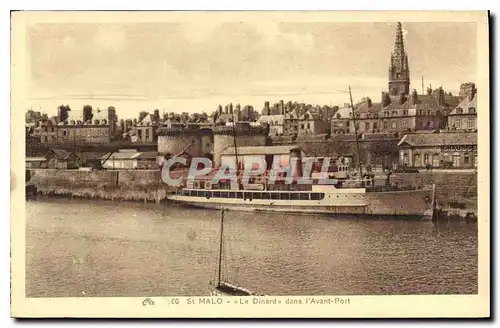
470, 123
393, 125
472, 110
367, 126
429, 112
404, 123
147, 134
427, 159
394, 113
294, 196
317, 196
386, 125
405, 112
52, 129
285, 196
375, 125
417, 160
458, 123
466, 159
459, 111
65, 133
275, 195
302, 126
304, 196
45, 138
308, 126
386, 113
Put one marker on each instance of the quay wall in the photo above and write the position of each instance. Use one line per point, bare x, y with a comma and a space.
139, 185
454, 189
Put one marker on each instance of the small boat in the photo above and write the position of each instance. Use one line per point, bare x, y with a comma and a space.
221, 287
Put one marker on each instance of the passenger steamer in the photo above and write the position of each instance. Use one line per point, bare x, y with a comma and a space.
356, 196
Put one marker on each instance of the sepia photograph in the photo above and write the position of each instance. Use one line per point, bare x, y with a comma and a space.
263, 159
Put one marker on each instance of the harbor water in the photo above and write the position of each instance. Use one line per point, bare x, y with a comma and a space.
77, 247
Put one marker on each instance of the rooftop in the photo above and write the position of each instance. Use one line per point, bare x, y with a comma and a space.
439, 139
464, 106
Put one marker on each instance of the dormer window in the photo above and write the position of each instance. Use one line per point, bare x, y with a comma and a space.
472, 110
103, 122
72, 122
460, 111
394, 113
79, 122
96, 122
386, 113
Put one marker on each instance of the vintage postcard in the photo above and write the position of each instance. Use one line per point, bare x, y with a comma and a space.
250, 164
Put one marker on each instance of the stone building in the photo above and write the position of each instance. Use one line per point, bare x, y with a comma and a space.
275, 122
62, 159
243, 134
250, 155
310, 123
398, 109
439, 150
196, 140
464, 116
81, 127
83, 133
47, 131
146, 129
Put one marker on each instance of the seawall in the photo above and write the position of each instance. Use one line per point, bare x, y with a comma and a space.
137, 185
455, 190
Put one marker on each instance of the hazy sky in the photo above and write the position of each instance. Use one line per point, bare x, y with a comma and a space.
195, 66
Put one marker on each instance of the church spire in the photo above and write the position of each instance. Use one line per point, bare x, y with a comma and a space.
399, 71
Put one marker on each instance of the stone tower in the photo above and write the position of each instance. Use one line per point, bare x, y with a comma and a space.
399, 72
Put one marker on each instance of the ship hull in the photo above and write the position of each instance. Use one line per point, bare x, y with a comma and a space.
408, 204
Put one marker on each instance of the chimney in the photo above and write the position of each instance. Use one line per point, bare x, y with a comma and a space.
226, 109
473, 92
282, 107
219, 110
369, 102
385, 99
440, 96
402, 97
414, 97
230, 108
267, 110
237, 107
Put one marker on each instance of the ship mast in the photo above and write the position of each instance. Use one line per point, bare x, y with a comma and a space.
235, 146
356, 135
220, 248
